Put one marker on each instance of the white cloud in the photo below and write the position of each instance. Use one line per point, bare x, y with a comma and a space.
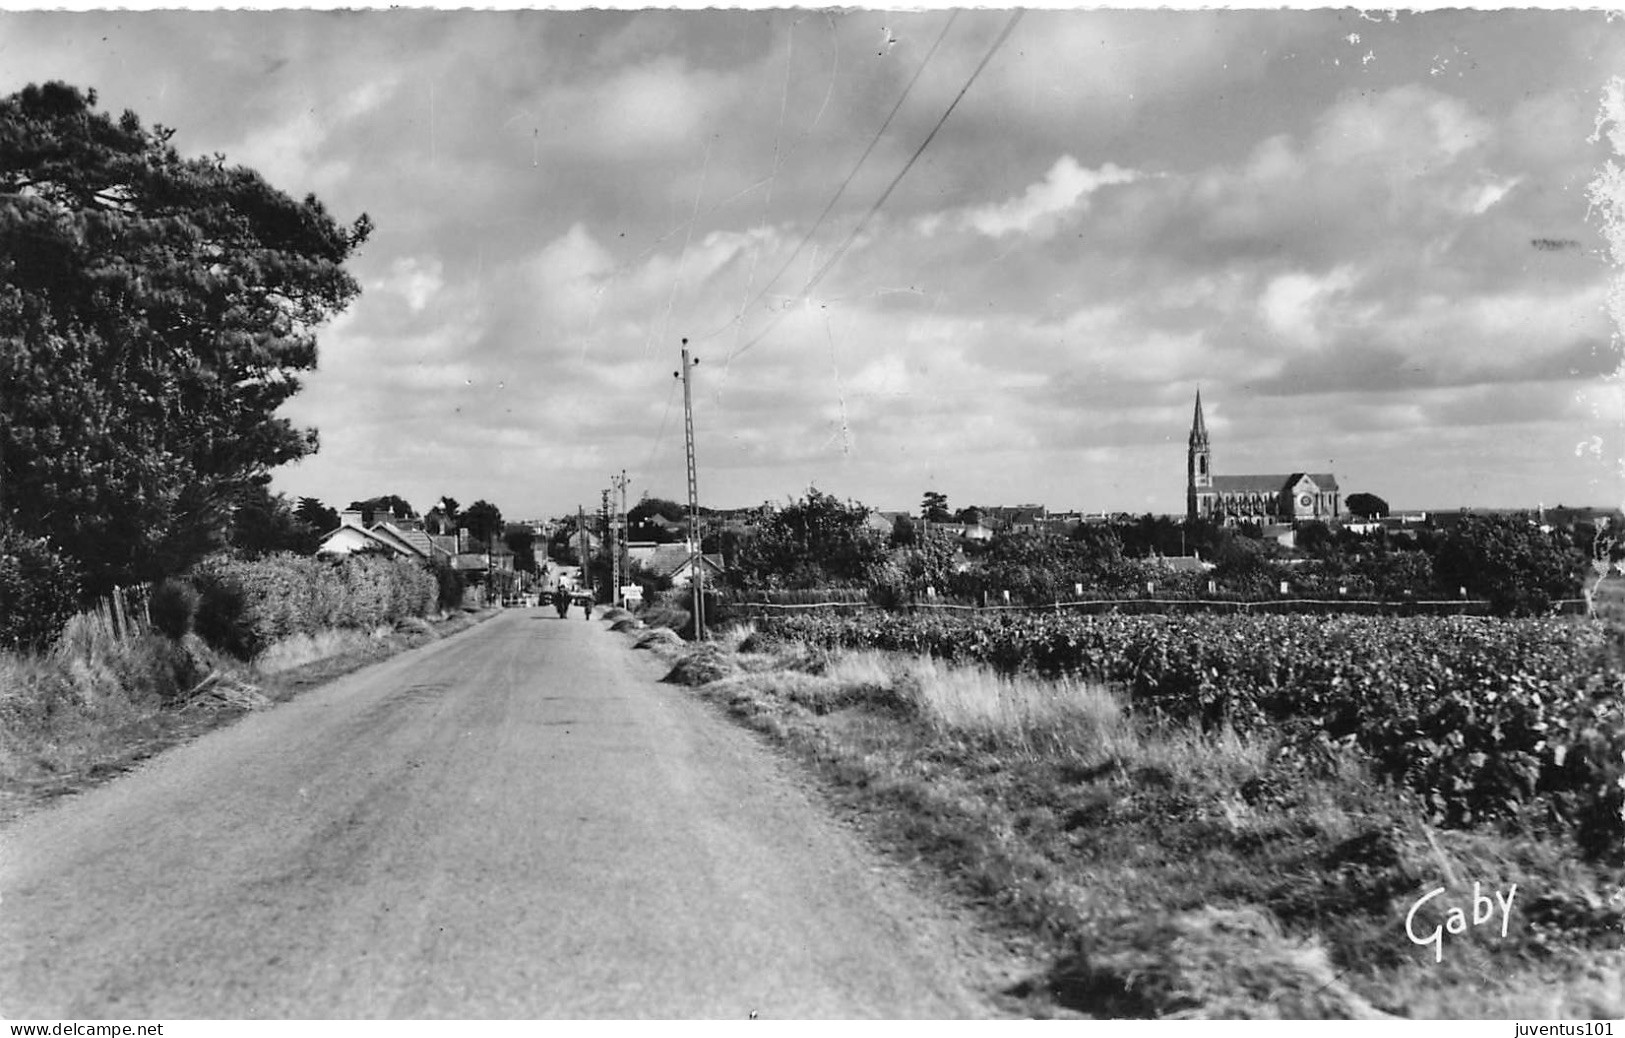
1039, 210
1066, 187
416, 279
1478, 199
1295, 306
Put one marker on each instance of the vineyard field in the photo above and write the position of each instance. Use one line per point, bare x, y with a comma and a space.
1486, 720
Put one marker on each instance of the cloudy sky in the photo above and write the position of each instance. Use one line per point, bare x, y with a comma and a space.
1367, 238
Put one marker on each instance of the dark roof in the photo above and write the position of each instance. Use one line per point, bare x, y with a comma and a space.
1324, 480
667, 559
1271, 483
1182, 563
412, 536
1257, 484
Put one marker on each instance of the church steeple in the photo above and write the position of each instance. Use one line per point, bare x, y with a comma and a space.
1198, 467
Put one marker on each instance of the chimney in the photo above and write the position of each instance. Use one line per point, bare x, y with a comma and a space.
350, 518
462, 539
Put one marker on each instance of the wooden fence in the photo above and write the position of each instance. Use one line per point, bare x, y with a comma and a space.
1314, 606
126, 611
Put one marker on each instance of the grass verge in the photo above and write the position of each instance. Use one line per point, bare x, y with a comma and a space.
96, 705
1164, 872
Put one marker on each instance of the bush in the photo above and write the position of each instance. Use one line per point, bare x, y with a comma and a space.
172, 606
221, 619
39, 591
244, 606
450, 586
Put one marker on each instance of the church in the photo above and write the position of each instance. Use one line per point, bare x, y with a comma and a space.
1285, 498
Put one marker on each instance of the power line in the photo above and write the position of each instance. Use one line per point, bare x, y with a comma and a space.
873, 141
840, 251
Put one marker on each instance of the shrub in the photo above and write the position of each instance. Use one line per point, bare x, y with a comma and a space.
245, 606
39, 591
172, 607
221, 619
450, 586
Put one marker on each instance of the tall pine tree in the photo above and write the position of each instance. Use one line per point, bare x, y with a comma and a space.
155, 311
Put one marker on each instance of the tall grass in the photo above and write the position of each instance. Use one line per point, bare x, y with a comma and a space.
1023, 711
299, 649
66, 708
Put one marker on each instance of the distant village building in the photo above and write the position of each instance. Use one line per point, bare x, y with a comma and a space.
402, 537
1273, 498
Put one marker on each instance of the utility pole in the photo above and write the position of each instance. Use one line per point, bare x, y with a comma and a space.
581, 539
609, 546
621, 567
696, 576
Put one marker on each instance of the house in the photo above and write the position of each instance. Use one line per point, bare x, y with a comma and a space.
884, 523
393, 538
974, 531
676, 561
1014, 518
641, 552
1182, 563
410, 533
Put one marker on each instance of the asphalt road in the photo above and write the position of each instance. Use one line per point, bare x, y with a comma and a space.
517, 822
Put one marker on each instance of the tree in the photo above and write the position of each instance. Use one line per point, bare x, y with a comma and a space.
812, 542
316, 515
1512, 562
441, 520
155, 312
1366, 506
1315, 538
381, 509
483, 520
639, 518
903, 534
39, 591
934, 508
521, 540
263, 523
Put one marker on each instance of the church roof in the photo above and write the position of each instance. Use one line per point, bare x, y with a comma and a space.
1324, 480
1271, 483
1263, 484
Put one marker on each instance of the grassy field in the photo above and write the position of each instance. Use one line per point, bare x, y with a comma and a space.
1163, 871
96, 705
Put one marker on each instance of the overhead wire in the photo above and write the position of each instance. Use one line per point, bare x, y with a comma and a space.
852, 174
840, 251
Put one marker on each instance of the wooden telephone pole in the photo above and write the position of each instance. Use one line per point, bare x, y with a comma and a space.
581, 538
609, 545
618, 561
696, 577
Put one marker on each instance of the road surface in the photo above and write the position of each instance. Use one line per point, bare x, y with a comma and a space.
517, 822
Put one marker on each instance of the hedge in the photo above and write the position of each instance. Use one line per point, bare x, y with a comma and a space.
245, 605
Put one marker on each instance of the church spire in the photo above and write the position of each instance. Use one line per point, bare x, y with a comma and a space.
1199, 468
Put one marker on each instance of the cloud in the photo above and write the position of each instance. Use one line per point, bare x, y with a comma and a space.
1065, 189
417, 280
1294, 306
